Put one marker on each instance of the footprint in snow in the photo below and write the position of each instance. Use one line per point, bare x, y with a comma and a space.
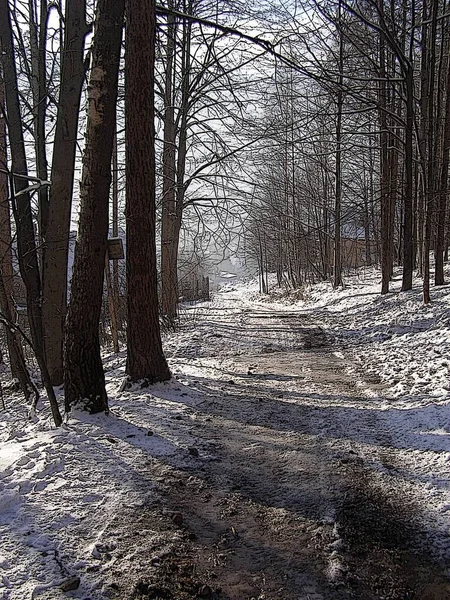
25, 461
40, 486
91, 498
54, 467
6, 473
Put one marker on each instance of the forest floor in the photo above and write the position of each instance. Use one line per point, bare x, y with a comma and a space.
300, 452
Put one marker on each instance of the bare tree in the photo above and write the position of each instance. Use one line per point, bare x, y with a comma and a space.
57, 230
337, 266
38, 46
17, 362
84, 376
145, 358
444, 167
26, 245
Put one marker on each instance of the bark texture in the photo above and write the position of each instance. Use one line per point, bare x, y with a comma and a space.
26, 244
56, 246
15, 351
169, 277
174, 161
386, 229
84, 376
145, 358
38, 42
443, 181
337, 262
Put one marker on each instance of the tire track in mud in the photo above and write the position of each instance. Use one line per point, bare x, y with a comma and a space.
286, 499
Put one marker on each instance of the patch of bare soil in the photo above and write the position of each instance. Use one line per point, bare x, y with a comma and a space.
283, 501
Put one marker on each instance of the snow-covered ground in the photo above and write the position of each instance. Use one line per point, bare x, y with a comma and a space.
395, 336
62, 489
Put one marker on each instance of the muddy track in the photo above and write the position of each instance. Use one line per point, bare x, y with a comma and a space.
291, 493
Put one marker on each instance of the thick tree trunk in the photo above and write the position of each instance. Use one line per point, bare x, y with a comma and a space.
84, 376
145, 359
56, 247
26, 245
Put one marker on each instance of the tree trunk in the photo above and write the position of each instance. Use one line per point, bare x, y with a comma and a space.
111, 305
337, 263
408, 250
38, 46
84, 376
175, 175
443, 175
17, 363
56, 247
430, 125
263, 288
386, 258
115, 232
182, 141
393, 189
337, 267
169, 277
26, 245
15, 350
145, 358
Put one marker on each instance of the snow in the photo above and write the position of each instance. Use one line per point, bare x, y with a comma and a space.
395, 336
61, 489
9, 454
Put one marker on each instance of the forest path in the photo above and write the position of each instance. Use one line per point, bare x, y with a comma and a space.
297, 492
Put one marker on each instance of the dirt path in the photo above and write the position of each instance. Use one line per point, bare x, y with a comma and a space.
293, 493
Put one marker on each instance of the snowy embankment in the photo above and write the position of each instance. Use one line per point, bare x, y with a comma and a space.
403, 351
394, 337
62, 490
